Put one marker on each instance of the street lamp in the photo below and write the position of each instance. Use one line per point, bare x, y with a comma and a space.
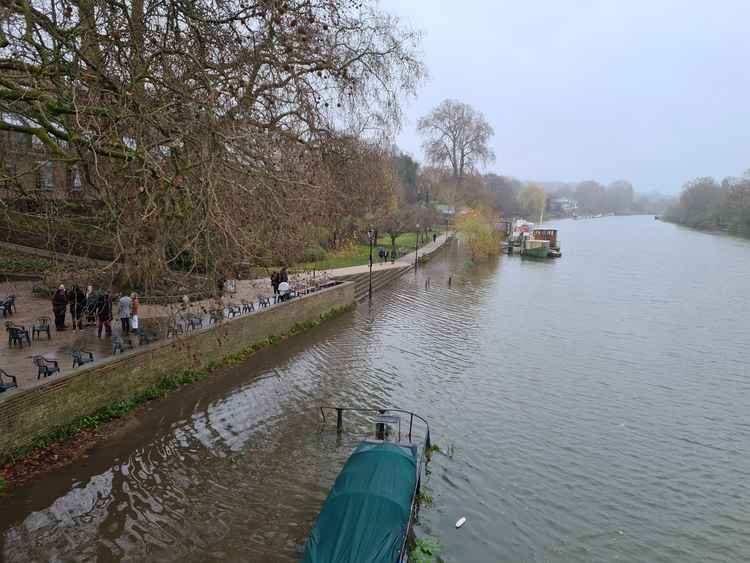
416, 249
370, 235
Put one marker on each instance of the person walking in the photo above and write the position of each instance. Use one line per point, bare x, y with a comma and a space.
126, 309
104, 314
434, 237
90, 304
136, 305
283, 275
275, 282
59, 304
77, 301
381, 254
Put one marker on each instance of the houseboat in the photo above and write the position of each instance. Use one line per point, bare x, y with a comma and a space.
371, 508
541, 242
534, 248
549, 235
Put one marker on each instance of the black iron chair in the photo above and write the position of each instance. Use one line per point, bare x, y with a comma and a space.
263, 302
7, 381
41, 325
144, 337
7, 307
81, 357
247, 307
194, 321
175, 328
17, 335
45, 367
215, 316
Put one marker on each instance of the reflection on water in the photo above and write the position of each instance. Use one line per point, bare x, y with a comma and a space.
589, 409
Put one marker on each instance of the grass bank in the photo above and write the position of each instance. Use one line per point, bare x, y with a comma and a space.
30, 461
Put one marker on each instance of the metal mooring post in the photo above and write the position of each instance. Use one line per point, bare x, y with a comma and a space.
339, 420
380, 428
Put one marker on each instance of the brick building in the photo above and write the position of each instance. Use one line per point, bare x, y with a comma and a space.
29, 171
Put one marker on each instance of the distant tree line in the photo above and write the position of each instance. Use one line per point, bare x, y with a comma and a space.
706, 204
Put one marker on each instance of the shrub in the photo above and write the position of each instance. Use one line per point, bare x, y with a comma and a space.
314, 254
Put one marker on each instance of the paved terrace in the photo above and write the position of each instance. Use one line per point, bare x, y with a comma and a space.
18, 361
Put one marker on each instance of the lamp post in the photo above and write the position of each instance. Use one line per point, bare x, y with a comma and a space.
416, 249
370, 235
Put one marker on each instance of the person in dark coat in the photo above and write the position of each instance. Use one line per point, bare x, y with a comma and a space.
59, 304
104, 314
90, 305
283, 276
275, 282
77, 300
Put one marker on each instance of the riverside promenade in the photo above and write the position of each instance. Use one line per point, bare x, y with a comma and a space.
405, 261
18, 361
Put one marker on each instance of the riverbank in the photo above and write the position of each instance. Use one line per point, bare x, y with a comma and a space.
70, 442
359, 253
714, 230
58, 410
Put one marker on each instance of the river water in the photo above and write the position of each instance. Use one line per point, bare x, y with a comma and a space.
592, 408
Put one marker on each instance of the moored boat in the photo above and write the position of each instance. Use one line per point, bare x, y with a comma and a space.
541, 242
534, 248
370, 510
551, 236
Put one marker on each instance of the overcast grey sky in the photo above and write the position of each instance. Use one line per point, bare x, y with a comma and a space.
653, 91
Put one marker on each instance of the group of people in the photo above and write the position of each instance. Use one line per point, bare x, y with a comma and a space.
280, 284
97, 307
76, 299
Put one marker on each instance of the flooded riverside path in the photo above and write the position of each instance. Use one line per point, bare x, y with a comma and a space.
591, 408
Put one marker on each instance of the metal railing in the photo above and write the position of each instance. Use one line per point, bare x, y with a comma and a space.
378, 411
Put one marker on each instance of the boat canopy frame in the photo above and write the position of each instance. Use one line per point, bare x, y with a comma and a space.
381, 419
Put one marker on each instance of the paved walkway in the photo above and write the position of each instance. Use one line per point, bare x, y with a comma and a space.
405, 260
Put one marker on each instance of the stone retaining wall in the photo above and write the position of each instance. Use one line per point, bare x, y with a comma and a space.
32, 413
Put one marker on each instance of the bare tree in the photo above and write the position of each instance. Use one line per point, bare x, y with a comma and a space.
396, 222
201, 124
456, 135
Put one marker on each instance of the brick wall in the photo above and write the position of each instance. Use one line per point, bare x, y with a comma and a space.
29, 414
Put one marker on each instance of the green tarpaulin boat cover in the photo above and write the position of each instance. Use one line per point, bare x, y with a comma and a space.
366, 515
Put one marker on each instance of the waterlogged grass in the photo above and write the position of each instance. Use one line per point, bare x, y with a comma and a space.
425, 500
425, 550
166, 384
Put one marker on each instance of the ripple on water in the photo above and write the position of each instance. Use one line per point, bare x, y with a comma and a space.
588, 409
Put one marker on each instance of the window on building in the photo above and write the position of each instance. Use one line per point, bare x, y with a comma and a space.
45, 177
76, 185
